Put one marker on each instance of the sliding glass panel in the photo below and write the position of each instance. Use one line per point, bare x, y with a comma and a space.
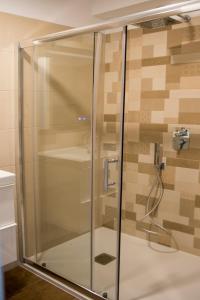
160, 243
108, 96
62, 157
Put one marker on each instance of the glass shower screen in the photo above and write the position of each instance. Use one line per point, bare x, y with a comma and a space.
72, 145
60, 155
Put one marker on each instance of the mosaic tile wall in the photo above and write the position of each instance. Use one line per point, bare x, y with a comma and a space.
162, 94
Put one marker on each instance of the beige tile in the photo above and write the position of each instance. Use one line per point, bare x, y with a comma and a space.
189, 175
189, 82
178, 227
183, 163
7, 115
7, 149
7, 65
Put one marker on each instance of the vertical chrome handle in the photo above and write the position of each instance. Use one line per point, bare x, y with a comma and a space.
107, 163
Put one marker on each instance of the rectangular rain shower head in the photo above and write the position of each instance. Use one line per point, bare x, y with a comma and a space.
163, 22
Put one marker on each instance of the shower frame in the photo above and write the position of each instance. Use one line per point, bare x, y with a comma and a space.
122, 22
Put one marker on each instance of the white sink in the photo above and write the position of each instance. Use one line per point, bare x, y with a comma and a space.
8, 247
7, 212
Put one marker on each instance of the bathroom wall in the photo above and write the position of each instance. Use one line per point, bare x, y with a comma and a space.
13, 30
160, 97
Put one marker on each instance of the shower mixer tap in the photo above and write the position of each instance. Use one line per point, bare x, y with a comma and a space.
181, 139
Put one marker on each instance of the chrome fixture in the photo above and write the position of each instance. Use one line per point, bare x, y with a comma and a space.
82, 118
163, 22
152, 14
185, 18
107, 183
181, 139
159, 23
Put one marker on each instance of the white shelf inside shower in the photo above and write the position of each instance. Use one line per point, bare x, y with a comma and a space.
79, 154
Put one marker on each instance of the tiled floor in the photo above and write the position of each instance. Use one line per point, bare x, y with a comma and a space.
23, 285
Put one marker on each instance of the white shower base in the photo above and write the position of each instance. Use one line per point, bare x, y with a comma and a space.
145, 273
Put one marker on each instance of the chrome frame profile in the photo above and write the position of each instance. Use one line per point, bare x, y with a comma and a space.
168, 10
132, 19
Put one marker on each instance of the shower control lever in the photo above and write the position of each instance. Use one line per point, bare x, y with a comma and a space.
107, 183
181, 139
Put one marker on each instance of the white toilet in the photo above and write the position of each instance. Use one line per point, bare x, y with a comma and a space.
8, 252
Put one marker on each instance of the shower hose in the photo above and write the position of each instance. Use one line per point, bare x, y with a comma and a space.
157, 189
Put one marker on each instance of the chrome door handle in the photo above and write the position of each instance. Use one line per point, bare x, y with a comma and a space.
107, 163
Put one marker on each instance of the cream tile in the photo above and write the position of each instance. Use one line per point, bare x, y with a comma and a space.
185, 174
5, 151
171, 109
157, 117
7, 115
7, 70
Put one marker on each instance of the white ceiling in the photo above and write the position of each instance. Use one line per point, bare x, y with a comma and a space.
67, 12
76, 12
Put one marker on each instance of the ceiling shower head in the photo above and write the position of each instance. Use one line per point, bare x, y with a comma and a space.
163, 22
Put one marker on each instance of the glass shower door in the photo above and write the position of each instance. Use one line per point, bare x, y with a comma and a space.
108, 84
72, 142
63, 75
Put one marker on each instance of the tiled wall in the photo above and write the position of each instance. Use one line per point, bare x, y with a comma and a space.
13, 29
160, 97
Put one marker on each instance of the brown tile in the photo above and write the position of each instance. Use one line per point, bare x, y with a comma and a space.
111, 127
197, 201
111, 98
191, 47
139, 116
191, 153
163, 60
173, 73
197, 243
178, 227
155, 94
186, 208
154, 127
174, 38
128, 206
133, 64
147, 51
183, 163
110, 118
151, 137
152, 30
152, 104
141, 199
141, 226
168, 186
116, 87
137, 148
147, 84
146, 168
130, 157
189, 105
189, 118
130, 215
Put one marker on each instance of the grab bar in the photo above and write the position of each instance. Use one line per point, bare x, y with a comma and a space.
107, 163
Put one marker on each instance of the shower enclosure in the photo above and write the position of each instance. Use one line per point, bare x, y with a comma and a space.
109, 144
